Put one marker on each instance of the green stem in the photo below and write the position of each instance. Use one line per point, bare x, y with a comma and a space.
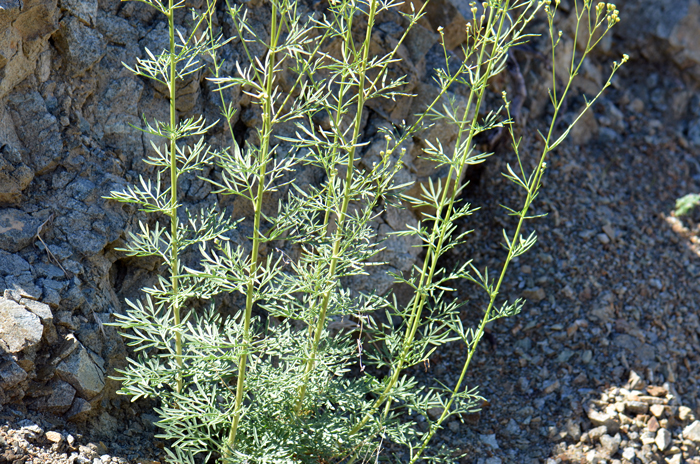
532, 190
320, 324
175, 244
439, 233
257, 238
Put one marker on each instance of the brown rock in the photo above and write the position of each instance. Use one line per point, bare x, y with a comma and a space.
653, 424
657, 410
54, 437
534, 295
657, 391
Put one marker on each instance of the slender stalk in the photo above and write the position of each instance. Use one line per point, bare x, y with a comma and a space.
264, 156
310, 364
175, 244
532, 190
439, 232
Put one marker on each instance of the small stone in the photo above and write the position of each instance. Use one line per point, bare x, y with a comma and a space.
551, 387
433, 413
675, 459
609, 420
489, 440
454, 426
655, 390
636, 407
610, 444
43, 311
663, 439
34, 429
692, 432
603, 238
493, 460
587, 356
573, 429
636, 105
628, 454
635, 381
651, 399
595, 433
592, 457
534, 295
79, 410
625, 419
653, 424
512, 429
685, 413
648, 438
657, 410
70, 439
54, 437
609, 231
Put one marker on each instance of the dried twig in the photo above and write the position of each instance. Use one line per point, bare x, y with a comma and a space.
52, 257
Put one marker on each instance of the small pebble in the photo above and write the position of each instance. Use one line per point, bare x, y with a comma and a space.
611, 444
489, 440
628, 453
454, 426
54, 437
692, 432
653, 424
658, 391
657, 410
595, 433
685, 413
663, 439
636, 407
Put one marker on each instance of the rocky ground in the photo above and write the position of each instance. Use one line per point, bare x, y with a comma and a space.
603, 363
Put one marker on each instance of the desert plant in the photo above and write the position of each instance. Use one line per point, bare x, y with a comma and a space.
686, 204
281, 386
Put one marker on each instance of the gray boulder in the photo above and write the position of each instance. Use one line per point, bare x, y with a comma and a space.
81, 46
43, 311
19, 328
10, 373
